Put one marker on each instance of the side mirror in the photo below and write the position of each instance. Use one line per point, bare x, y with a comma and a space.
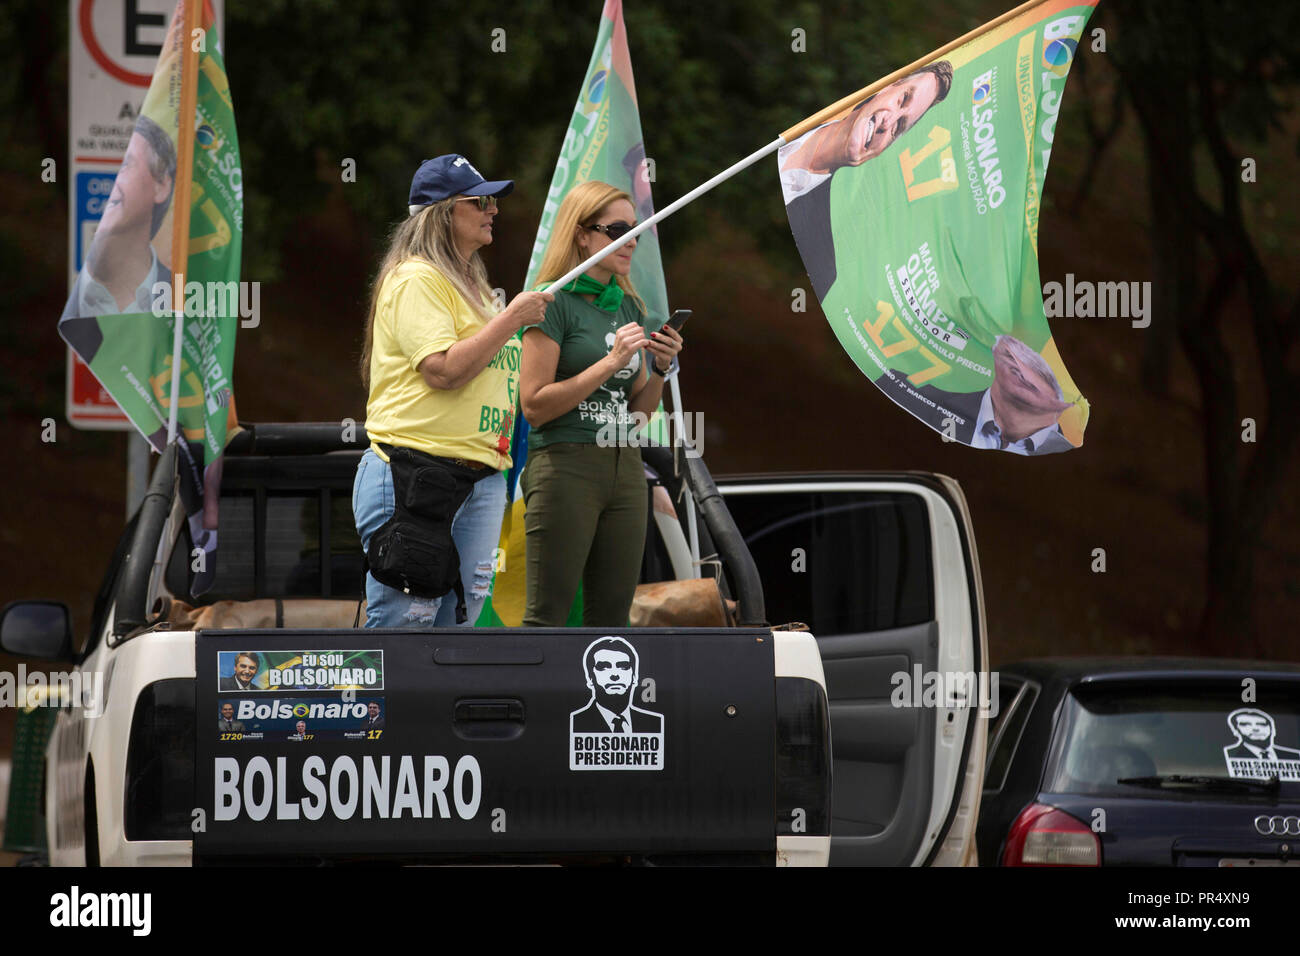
41, 630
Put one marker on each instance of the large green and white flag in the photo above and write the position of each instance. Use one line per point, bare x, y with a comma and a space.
915, 204
119, 316
604, 143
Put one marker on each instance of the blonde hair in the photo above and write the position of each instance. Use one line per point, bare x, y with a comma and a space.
581, 207
427, 236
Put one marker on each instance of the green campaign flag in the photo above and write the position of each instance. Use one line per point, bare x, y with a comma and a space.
604, 143
915, 209
118, 317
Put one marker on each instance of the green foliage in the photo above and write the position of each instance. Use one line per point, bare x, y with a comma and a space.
390, 82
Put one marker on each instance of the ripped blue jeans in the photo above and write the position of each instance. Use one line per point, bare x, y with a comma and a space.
476, 529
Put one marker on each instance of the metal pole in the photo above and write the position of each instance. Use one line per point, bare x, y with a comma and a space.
137, 470
692, 526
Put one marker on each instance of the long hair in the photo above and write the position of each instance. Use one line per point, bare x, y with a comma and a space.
427, 236
581, 207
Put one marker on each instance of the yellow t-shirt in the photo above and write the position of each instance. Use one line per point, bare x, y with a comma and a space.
419, 312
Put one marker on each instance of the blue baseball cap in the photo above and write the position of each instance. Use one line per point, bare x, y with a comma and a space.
451, 175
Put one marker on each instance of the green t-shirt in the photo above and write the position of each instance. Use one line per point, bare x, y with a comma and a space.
585, 335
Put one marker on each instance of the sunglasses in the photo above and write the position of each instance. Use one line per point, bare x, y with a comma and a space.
615, 230
483, 201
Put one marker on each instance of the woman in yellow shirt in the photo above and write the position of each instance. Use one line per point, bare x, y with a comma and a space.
442, 369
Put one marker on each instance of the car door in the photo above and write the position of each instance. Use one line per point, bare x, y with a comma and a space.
884, 571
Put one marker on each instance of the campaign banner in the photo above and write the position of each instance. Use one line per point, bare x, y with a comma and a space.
565, 742
113, 46
286, 671
118, 317
915, 210
301, 719
604, 143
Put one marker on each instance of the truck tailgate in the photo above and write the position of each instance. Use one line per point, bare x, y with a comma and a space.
485, 744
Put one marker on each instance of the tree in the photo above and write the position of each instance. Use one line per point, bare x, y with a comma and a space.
1203, 79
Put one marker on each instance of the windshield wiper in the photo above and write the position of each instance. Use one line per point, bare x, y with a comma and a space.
1200, 782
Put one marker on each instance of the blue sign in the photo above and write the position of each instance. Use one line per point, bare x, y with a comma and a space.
300, 718
93, 190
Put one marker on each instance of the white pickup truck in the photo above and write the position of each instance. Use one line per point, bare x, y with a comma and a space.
260, 725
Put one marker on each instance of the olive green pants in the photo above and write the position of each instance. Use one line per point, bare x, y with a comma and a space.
585, 519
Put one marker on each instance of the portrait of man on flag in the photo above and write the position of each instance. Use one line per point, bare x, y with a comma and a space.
861, 134
123, 262
914, 204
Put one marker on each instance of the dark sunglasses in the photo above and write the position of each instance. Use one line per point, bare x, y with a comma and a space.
483, 201
615, 230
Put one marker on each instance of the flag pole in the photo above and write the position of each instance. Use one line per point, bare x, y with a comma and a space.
181, 200
822, 116
793, 133
679, 418
668, 210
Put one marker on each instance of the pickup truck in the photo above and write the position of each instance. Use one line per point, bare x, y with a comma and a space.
259, 724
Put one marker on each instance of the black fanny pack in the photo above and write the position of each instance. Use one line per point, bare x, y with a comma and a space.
413, 551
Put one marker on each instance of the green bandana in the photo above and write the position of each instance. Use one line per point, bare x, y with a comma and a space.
608, 297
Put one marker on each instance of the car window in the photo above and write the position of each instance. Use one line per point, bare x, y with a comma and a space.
281, 555
842, 562
1113, 733
1016, 700
1008, 691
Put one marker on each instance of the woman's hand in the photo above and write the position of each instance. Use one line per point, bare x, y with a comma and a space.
664, 345
528, 308
458, 365
628, 340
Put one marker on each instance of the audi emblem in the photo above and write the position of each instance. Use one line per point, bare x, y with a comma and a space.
1277, 826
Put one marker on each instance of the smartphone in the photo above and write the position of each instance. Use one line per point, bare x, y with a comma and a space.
678, 319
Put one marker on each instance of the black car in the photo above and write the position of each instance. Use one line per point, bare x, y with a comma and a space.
1143, 762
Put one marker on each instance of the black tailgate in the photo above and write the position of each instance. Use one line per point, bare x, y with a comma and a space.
474, 755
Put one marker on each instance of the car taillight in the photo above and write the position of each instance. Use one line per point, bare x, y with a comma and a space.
160, 762
1046, 836
803, 758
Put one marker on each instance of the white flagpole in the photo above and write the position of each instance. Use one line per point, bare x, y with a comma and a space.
667, 211
693, 530
178, 336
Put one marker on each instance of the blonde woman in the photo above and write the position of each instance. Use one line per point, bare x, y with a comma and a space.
590, 363
442, 371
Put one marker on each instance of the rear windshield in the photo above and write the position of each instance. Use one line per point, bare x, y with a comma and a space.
280, 544
1115, 733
